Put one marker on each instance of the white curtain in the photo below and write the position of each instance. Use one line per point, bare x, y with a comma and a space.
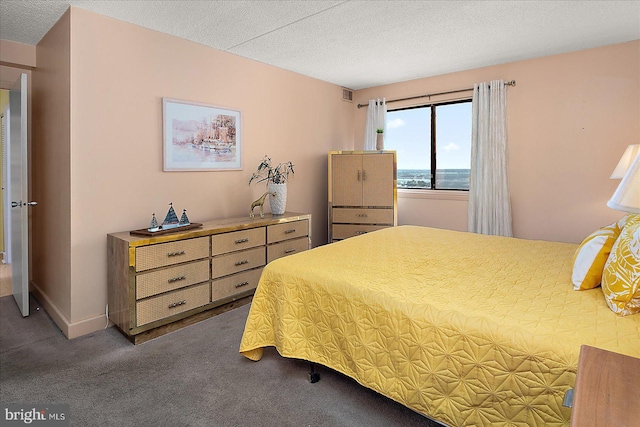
489, 204
376, 119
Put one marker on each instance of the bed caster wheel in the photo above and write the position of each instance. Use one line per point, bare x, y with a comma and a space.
314, 377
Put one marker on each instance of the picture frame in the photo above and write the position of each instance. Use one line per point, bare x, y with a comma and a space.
200, 137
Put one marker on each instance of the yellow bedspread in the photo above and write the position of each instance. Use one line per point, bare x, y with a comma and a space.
467, 329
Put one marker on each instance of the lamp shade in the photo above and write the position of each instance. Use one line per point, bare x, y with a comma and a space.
625, 161
627, 196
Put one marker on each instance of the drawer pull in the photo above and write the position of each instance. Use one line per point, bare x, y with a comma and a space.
241, 241
293, 230
170, 254
361, 232
175, 304
244, 261
289, 251
361, 215
177, 279
239, 285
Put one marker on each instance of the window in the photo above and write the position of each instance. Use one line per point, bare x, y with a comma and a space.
431, 137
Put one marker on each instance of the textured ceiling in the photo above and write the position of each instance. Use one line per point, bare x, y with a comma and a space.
359, 44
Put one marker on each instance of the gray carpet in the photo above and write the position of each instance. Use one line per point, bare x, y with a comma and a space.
191, 377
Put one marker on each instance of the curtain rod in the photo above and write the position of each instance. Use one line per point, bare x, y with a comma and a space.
509, 83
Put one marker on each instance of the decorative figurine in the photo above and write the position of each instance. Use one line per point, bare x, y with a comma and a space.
260, 202
154, 224
171, 224
183, 219
171, 220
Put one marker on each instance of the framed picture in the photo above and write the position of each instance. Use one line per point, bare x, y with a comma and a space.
201, 137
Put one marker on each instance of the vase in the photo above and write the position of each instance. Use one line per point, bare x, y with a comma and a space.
278, 203
380, 141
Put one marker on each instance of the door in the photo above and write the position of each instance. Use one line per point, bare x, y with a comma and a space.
377, 183
346, 180
18, 193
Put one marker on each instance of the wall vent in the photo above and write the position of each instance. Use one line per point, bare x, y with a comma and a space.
347, 94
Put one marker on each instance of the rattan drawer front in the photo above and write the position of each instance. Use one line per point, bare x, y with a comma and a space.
237, 240
165, 305
163, 254
288, 247
363, 216
235, 284
168, 279
287, 230
344, 231
237, 261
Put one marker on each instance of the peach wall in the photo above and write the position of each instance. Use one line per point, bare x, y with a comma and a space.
119, 75
51, 175
570, 117
15, 58
16, 54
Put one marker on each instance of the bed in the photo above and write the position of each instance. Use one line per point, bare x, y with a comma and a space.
466, 329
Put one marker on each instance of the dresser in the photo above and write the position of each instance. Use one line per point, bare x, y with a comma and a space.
161, 283
362, 192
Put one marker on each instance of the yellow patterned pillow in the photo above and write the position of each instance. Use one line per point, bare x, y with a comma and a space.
628, 220
621, 276
591, 256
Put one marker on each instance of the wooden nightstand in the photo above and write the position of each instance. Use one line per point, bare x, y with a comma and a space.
607, 389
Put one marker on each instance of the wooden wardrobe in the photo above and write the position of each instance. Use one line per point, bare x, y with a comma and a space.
362, 192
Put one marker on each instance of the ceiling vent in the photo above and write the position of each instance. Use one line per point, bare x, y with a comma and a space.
347, 94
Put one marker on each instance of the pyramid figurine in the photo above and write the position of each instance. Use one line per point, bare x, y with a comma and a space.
154, 224
171, 220
184, 220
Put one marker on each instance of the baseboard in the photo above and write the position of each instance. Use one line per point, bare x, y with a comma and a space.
87, 326
51, 309
69, 329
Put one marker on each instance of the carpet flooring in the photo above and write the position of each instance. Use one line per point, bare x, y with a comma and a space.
191, 377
